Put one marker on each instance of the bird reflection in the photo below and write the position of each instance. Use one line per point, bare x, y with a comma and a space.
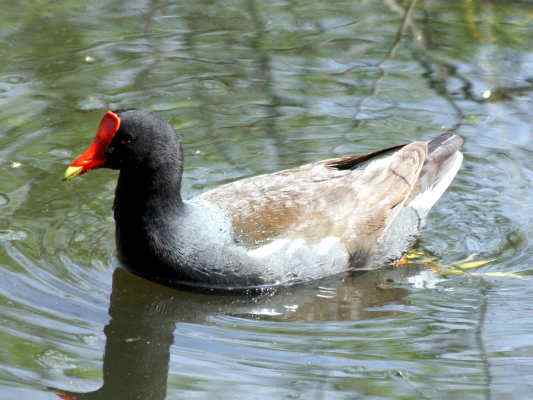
144, 316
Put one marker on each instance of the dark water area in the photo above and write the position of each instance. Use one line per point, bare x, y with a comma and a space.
254, 87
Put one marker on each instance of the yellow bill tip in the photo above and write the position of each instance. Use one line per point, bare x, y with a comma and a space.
72, 172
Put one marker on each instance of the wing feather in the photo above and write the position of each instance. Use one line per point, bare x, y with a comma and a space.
351, 198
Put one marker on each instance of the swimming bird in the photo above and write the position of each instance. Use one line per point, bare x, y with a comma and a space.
301, 224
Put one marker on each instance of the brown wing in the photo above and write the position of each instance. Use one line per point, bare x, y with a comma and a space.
323, 199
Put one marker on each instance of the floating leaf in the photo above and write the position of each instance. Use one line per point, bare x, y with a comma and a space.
458, 268
501, 274
465, 266
414, 254
450, 272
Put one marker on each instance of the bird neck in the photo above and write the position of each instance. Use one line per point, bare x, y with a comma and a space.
148, 194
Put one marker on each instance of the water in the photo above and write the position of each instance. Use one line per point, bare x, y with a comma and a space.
255, 87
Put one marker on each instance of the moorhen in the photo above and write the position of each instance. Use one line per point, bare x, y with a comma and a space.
301, 224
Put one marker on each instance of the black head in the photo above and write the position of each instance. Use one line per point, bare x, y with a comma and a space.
132, 139
143, 140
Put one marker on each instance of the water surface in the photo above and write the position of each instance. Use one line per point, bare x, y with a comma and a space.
254, 87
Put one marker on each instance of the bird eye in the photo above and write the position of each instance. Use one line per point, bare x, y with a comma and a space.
127, 139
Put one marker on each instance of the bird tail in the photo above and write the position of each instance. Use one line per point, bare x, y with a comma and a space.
442, 164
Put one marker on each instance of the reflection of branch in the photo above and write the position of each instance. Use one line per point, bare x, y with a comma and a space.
436, 83
499, 93
199, 91
439, 84
264, 72
479, 338
264, 64
319, 31
407, 21
149, 17
407, 15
